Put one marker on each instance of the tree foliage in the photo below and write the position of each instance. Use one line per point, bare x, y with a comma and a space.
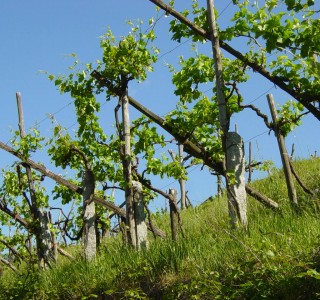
279, 40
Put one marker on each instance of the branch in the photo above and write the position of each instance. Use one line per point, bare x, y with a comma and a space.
65, 253
260, 114
18, 218
77, 237
149, 219
7, 263
43, 170
282, 121
304, 187
253, 165
148, 185
13, 250
189, 147
83, 156
15, 216
303, 98
27, 199
261, 198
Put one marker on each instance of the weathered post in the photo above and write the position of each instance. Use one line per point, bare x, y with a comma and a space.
127, 165
174, 218
54, 240
283, 153
231, 142
292, 151
250, 162
182, 182
219, 188
42, 229
89, 216
236, 191
140, 216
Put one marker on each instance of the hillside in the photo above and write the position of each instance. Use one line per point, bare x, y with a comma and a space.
277, 257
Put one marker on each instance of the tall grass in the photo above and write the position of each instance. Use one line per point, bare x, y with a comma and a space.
276, 257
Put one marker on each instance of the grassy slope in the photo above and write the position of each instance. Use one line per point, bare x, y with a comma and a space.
275, 258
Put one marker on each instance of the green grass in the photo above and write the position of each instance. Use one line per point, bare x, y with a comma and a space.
277, 257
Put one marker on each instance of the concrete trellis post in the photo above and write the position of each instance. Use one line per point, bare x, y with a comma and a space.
140, 216
89, 216
237, 197
231, 141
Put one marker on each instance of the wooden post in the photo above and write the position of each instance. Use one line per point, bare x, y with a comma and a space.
140, 216
292, 152
89, 216
250, 162
222, 105
127, 165
42, 231
54, 240
189, 204
283, 152
73, 187
173, 214
219, 188
182, 182
236, 192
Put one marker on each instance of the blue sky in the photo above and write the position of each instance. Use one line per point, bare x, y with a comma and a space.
39, 36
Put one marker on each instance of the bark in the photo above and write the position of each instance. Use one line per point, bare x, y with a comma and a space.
89, 216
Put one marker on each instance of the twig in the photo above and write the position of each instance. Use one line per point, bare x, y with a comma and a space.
7, 263
150, 221
304, 187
